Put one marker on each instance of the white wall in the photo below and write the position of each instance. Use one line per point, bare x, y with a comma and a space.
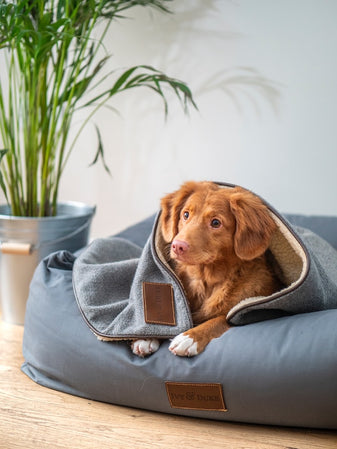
283, 148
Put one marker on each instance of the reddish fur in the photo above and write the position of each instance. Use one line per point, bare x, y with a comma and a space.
222, 265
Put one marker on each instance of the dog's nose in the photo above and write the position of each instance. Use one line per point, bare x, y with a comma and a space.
179, 247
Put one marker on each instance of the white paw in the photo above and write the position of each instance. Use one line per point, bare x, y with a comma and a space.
183, 345
146, 347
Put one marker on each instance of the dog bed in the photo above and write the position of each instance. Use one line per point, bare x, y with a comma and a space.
273, 371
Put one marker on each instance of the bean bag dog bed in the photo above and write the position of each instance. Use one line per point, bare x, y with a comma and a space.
276, 365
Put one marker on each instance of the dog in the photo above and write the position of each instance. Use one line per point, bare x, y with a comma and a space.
218, 240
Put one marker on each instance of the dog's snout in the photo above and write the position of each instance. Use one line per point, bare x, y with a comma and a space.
179, 247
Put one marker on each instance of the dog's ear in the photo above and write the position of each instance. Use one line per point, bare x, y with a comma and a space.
254, 224
171, 206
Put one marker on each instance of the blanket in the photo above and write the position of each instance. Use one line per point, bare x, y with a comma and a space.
126, 292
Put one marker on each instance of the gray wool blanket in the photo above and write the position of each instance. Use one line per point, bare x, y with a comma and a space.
126, 292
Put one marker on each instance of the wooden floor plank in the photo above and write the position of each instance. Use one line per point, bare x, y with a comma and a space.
34, 417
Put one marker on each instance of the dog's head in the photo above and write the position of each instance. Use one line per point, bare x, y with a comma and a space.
206, 223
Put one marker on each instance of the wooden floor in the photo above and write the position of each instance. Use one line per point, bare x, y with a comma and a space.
34, 417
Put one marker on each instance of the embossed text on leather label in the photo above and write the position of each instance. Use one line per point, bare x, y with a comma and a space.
196, 396
158, 303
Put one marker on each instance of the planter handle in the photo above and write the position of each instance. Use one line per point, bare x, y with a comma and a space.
22, 249
65, 237
25, 249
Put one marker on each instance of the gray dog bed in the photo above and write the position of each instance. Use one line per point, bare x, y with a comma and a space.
278, 371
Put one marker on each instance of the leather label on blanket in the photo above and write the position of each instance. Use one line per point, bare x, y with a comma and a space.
158, 303
196, 396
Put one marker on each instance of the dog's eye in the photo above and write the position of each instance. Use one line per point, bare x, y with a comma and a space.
186, 215
215, 223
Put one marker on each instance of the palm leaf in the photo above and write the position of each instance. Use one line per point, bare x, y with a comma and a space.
150, 78
100, 152
2, 182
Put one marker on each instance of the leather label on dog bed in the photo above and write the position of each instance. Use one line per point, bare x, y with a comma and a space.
158, 303
196, 396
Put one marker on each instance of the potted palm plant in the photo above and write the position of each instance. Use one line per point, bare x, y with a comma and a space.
51, 68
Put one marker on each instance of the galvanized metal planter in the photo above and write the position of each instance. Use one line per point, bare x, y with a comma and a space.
24, 241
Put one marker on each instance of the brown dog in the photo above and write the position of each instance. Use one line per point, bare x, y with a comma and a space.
218, 240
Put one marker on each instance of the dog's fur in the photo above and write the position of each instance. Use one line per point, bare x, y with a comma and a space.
218, 239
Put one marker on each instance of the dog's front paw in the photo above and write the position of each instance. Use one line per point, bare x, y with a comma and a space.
145, 347
184, 345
